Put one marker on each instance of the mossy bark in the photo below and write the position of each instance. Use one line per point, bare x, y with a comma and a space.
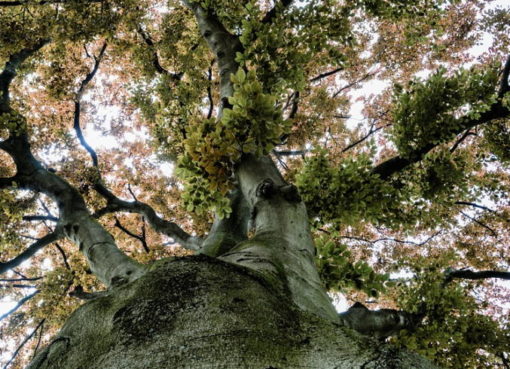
200, 312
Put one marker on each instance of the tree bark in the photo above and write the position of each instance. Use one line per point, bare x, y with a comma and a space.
199, 312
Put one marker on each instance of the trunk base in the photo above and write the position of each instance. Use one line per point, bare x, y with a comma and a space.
199, 312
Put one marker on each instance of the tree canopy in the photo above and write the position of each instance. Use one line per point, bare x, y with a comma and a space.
134, 117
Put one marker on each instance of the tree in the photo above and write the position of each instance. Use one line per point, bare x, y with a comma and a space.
277, 197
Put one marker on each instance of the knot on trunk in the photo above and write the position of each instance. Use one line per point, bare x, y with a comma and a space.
267, 189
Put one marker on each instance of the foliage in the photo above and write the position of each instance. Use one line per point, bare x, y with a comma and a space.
429, 112
303, 75
212, 148
341, 273
454, 331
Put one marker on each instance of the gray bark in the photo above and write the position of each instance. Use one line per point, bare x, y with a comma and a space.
199, 312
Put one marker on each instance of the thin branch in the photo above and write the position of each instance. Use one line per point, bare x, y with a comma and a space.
478, 206
42, 2
209, 93
91, 74
142, 240
461, 139
38, 340
390, 239
77, 107
480, 224
35, 218
18, 305
20, 279
64, 256
362, 139
31, 250
27, 338
290, 152
17, 286
354, 83
326, 74
155, 58
295, 105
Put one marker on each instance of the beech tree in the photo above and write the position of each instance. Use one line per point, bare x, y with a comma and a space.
258, 160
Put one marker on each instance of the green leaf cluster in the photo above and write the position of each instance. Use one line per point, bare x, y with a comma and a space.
12, 123
454, 330
282, 49
253, 125
497, 139
340, 272
432, 111
347, 192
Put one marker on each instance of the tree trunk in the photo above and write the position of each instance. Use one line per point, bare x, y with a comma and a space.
201, 312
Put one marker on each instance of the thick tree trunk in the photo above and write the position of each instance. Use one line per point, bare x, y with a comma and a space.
201, 312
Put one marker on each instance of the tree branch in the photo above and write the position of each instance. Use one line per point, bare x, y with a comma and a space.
24, 3
131, 234
27, 338
326, 74
35, 218
503, 87
77, 107
362, 139
31, 250
398, 163
451, 274
379, 323
9, 72
480, 224
155, 58
160, 225
18, 305
223, 44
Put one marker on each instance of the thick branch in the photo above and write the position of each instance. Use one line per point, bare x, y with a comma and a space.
229, 231
31, 250
10, 69
379, 323
223, 44
469, 274
160, 225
